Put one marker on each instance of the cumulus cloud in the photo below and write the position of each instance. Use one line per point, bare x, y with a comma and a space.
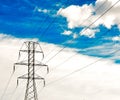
83, 16
76, 14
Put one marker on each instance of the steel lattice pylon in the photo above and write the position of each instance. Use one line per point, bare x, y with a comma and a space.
31, 76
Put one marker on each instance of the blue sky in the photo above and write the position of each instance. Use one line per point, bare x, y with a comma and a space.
43, 19
91, 39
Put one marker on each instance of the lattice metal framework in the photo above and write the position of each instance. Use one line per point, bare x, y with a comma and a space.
31, 48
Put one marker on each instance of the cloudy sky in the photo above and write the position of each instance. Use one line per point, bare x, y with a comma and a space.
73, 34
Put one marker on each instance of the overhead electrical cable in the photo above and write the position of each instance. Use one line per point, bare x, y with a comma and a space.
99, 7
6, 87
77, 53
54, 19
73, 54
84, 30
80, 69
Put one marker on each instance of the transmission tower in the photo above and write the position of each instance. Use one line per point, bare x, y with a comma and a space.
31, 49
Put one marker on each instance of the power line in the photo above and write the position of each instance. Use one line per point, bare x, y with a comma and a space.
55, 54
54, 19
70, 56
100, 16
31, 76
99, 7
13, 93
78, 70
72, 72
84, 30
89, 64
76, 53
62, 78
7, 85
20, 93
40, 90
11, 98
45, 18
43, 33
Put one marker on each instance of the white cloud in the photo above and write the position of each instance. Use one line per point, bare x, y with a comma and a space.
100, 81
67, 32
110, 50
75, 35
76, 14
83, 16
42, 10
116, 38
89, 32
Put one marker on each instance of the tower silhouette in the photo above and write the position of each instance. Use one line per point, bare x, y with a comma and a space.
32, 49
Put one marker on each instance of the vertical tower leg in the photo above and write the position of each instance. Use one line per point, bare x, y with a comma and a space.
31, 91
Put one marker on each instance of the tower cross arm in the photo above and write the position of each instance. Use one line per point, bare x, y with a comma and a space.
33, 51
37, 77
28, 50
